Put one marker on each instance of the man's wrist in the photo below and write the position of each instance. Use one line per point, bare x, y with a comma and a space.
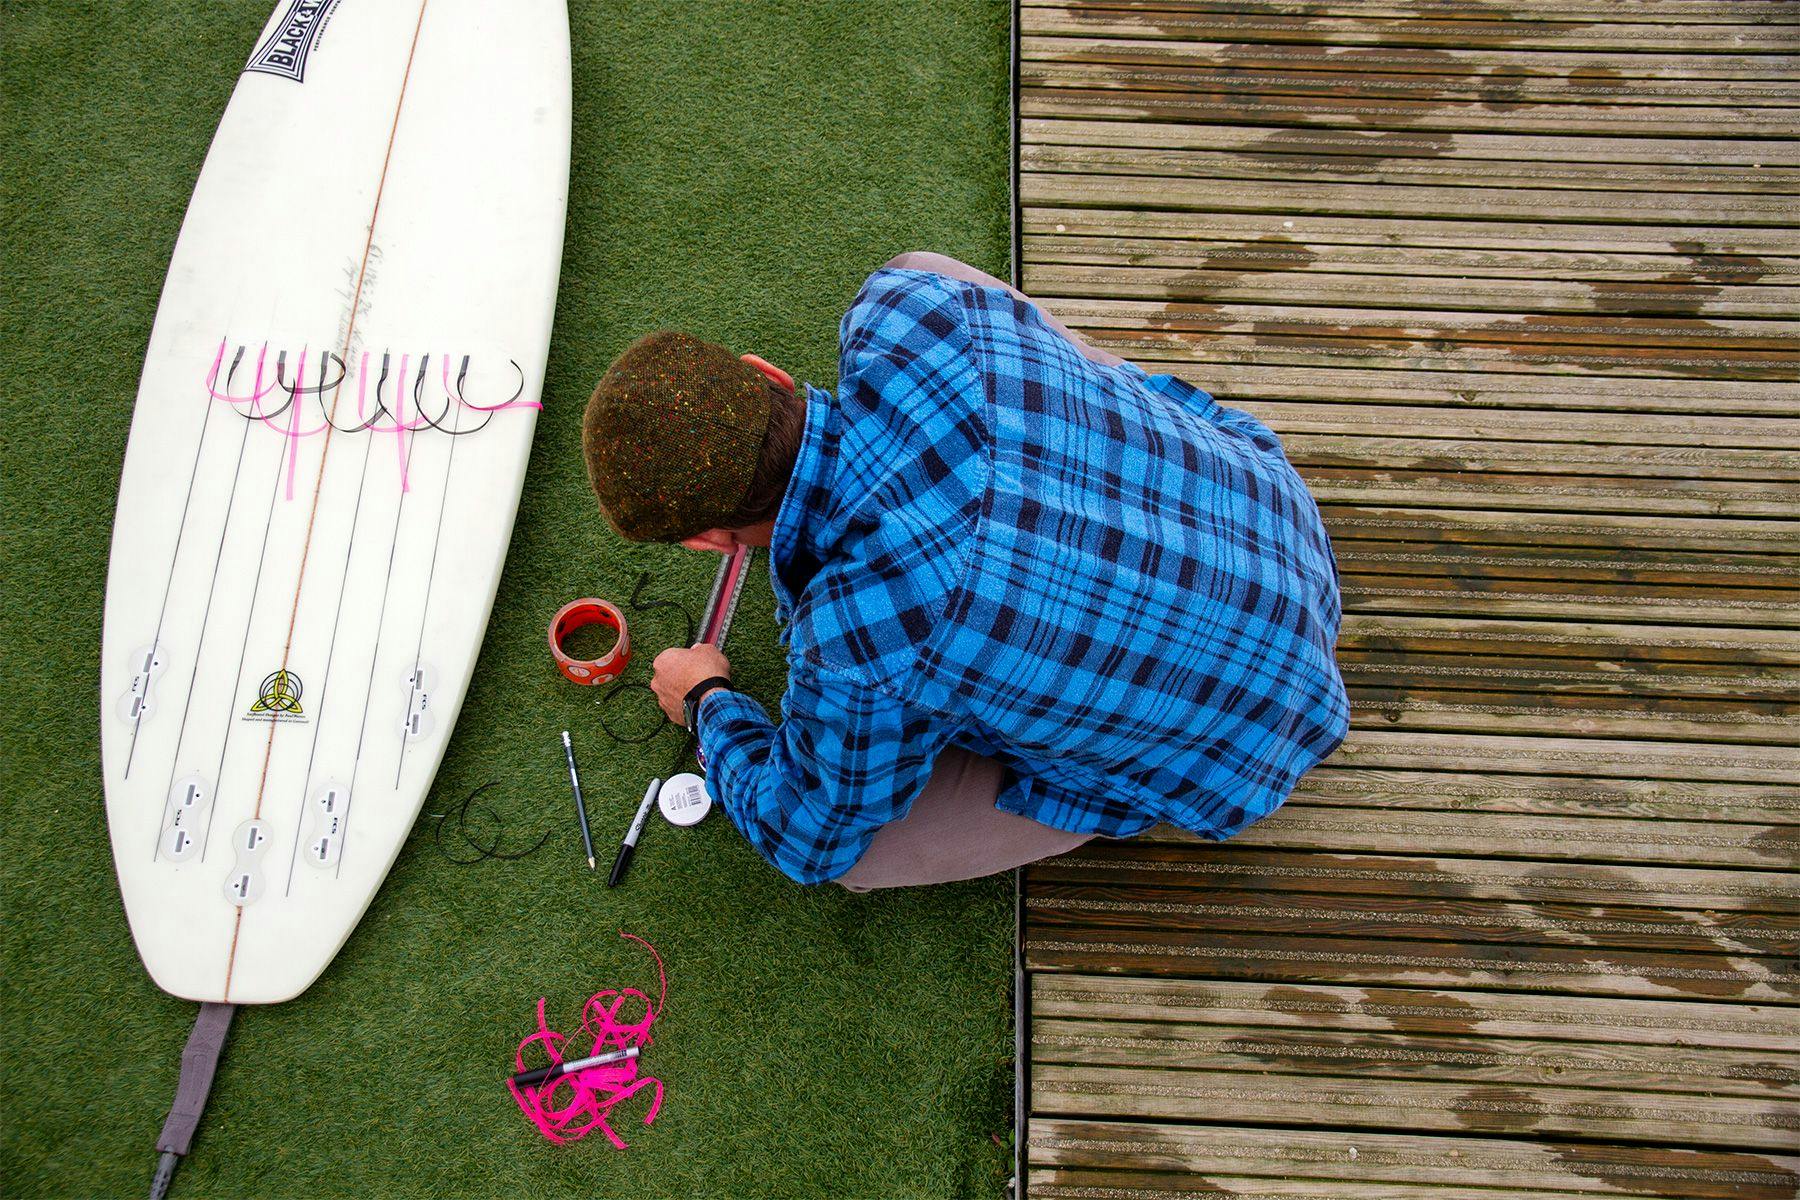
699, 692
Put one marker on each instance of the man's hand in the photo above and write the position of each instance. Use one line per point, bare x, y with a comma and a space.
676, 672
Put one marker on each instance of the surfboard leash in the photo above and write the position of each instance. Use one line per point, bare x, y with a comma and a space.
199, 1063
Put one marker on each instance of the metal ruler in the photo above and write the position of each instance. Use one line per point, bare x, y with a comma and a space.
728, 586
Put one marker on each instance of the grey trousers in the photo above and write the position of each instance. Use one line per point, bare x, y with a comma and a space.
953, 831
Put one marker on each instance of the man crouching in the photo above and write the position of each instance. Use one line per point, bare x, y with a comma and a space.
1032, 594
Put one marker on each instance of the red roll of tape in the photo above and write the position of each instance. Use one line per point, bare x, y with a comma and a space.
577, 614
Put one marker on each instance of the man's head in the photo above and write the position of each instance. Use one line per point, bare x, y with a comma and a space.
686, 442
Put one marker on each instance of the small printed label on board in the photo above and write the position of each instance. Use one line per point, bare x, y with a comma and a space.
278, 698
284, 51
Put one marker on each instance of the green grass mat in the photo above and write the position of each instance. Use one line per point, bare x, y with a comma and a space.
738, 169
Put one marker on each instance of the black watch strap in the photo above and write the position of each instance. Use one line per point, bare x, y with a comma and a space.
691, 703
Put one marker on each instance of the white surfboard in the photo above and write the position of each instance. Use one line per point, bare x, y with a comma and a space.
324, 465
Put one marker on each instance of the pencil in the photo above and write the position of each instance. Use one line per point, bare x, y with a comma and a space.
587, 839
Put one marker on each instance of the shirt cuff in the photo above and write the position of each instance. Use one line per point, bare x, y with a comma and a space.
729, 721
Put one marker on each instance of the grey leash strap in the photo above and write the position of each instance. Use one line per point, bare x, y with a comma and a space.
199, 1063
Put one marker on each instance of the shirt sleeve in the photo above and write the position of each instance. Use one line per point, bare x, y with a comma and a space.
810, 793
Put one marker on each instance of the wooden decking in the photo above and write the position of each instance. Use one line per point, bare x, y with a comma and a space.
1516, 282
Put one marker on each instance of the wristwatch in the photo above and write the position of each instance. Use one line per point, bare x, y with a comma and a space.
691, 705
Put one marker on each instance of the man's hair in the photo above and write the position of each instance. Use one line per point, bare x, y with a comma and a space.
775, 462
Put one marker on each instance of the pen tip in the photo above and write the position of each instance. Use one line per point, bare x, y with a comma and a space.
591, 865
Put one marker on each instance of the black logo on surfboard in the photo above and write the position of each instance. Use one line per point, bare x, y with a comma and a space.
284, 51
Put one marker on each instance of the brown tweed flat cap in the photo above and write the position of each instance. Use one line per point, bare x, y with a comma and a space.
672, 436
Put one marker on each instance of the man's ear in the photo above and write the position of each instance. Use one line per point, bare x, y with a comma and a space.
720, 541
770, 369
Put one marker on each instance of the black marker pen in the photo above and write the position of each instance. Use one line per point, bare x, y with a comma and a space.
631, 835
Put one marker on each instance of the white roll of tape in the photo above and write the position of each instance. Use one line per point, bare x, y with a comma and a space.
683, 799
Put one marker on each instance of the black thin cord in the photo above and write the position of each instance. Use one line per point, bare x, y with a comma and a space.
639, 605
458, 817
609, 702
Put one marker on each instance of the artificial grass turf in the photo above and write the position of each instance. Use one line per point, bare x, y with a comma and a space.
737, 170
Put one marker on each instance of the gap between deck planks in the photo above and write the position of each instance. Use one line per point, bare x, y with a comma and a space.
1516, 280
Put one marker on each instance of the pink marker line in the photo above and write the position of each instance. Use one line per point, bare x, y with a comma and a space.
257, 391
293, 429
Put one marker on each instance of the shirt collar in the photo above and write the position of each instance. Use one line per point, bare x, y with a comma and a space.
796, 546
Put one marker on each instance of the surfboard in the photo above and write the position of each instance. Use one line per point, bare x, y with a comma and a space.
325, 460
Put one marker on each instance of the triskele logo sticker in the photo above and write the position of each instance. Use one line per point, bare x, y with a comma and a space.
284, 51
278, 699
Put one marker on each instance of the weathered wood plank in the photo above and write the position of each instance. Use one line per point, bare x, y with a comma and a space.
1433, 473
1122, 183
1438, 545
1177, 352
1504, 714
1749, 157
1687, 472
1584, 530
1294, 260
1431, 596
1612, 120
1586, 642
1463, 792
1624, 569
1166, 856
1411, 60
1756, 337
1082, 1184
1109, 1043
1595, 674
1696, 243
1126, 910
1532, 397
1160, 889
1461, 475
1660, 12
1756, 1124
1496, 477
1434, 579
1498, 1015
1056, 283
1693, 432
1602, 35
1340, 79
1247, 1160
1606, 758
1398, 962
1298, 825
1301, 826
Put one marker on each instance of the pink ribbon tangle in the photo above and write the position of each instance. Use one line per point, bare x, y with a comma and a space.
569, 1107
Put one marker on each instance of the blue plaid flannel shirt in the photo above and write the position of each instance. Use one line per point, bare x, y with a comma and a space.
1101, 577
